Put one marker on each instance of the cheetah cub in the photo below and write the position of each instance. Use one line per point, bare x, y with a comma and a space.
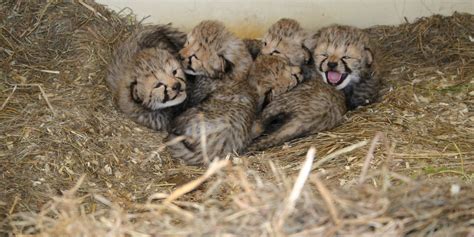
311, 107
287, 39
213, 55
344, 58
272, 76
222, 106
145, 77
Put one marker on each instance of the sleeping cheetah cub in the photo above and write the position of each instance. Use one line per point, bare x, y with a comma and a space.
311, 107
287, 39
146, 78
221, 102
344, 58
224, 120
272, 76
213, 55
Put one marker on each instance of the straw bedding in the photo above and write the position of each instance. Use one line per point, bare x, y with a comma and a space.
72, 165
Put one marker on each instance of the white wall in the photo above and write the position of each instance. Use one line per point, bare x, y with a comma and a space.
249, 18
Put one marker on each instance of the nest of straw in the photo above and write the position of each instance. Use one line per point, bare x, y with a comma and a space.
71, 164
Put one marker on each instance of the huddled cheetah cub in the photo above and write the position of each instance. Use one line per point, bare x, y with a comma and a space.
344, 58
311, 107
223, 107
146, 78
213, 55
287, 39
272, 76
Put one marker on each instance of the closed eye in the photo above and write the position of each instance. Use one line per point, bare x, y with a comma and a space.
349, 57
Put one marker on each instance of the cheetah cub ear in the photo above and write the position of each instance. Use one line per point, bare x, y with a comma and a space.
368, 55
310, 41
227, 65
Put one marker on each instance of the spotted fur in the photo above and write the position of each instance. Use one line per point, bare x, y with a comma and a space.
311, 107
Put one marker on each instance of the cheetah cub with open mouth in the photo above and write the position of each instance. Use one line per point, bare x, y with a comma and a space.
146, 78
344, 58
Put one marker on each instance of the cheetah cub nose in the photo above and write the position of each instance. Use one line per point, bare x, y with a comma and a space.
332, 64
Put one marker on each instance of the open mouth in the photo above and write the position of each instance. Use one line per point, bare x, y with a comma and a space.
335, 78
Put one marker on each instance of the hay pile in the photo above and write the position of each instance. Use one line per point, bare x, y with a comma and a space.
58, 123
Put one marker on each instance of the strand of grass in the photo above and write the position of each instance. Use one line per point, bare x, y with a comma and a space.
203, 138
40, 70
242, 176
429, 155
298, 186
214, 167
336, 154
451, 171
301, 180
15, 202
38, 22
43, 94
173, 141
460, 156
327, 198
92, 10
369, 157
8, 98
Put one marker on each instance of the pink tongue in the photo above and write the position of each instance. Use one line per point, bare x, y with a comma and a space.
334, 77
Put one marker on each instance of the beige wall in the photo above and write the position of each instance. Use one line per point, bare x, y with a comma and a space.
250, 18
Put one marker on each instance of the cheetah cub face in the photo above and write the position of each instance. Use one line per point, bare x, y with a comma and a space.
158, 79
213, 51
273, 76
342, 55
286, 39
